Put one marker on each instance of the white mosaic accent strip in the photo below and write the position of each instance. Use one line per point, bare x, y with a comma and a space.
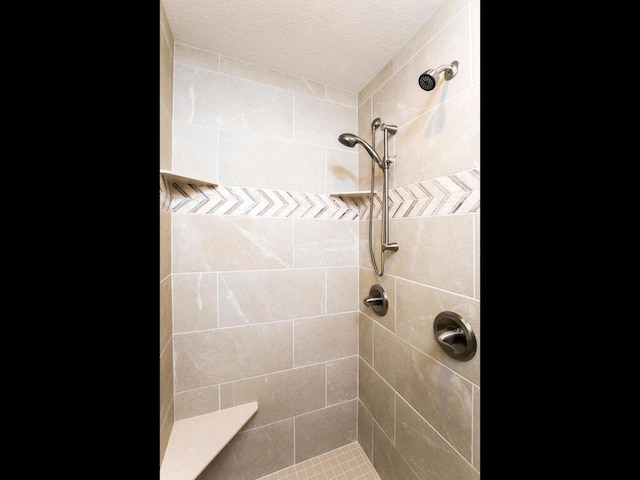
456, 193
452, 194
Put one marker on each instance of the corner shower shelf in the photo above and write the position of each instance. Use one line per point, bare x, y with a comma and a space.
195, 441
177, 176
351, 194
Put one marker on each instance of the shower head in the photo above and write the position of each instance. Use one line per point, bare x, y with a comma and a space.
350, 140
429, 79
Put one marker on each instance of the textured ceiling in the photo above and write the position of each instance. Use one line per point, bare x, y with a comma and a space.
342, 43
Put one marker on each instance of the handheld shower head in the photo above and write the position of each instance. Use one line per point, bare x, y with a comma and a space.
350, 140
429, 79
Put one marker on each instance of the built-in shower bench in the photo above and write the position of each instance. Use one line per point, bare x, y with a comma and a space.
195, 441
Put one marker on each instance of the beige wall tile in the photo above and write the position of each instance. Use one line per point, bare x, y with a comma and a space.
380, 78
261, 162
319, 122
365, 430
400, 99
218, 356
365, 338
474, 15
342, 289
438, 251
166, 383
476, 219
282, 395
165, 245
166, 62
344, 97
378, 398
476, 428
203, 243
195, 57
254, 453
165, 314
417, 307
265, 296
329, 337
342, 380
208, 98
387, 461
195, 151
424, 449
250, 71
342, 171
443, 141
324, 430
165, 432
196, 402
195, 302
166, 133
328, 243
440, 396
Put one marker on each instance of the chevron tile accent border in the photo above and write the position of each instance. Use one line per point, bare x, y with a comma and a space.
453, 194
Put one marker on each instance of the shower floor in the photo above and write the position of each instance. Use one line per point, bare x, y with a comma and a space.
348, 462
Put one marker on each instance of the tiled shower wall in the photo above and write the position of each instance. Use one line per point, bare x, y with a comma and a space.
166, 344
265, 297
418, 409
267, 270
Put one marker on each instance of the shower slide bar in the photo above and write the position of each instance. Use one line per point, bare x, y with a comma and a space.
350, 140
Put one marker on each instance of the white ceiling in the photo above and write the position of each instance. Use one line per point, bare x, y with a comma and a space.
341, 43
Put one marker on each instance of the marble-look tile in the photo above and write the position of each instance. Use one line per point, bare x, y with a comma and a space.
342, 171
436, 250
165, 245
195, 151
474, 16
329, 337
378, 397
476, 428
417, 307
281, 395
342, 380
401, 100
318, 122
254, 453
166, 382
202, 243
365, 430
196, 402
378, 80
257, 73
262, 162
324, 430
476, 264
439, 395
342, 289
165, 138
195, 57
165, 432
212, 99
329, 243
339, 95
195, 301
166, 62
365, 338
443, 141
268, 295
387, 461
216, 356
428, 454
166, 329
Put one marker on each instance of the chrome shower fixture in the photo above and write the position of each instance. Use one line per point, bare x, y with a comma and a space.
429, 79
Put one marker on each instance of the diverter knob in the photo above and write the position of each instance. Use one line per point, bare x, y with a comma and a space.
454, 335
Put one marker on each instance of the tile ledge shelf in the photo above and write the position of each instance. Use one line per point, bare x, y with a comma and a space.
178, 176
195, 441
362, 193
